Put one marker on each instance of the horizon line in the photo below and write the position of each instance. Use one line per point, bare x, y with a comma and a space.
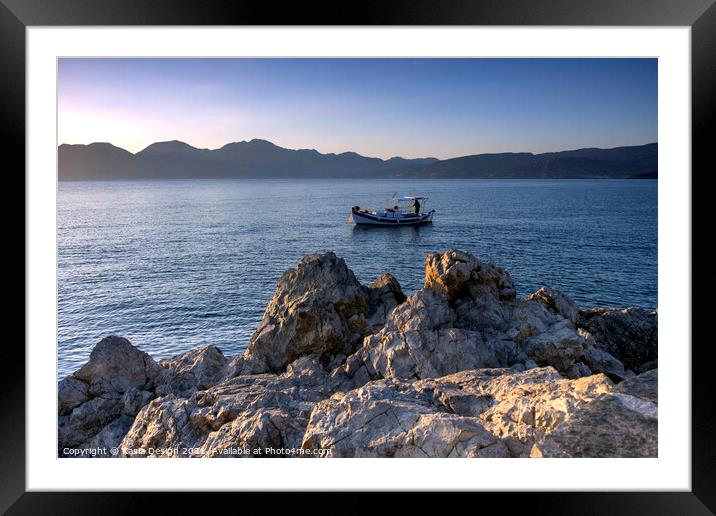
353, 152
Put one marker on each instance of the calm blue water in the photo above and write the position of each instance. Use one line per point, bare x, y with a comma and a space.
172, 265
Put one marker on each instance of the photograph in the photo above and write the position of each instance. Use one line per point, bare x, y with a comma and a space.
357, 257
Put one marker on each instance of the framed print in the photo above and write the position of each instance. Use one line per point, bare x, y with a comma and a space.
432, 247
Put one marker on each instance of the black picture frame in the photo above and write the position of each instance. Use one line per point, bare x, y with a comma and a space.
700, 15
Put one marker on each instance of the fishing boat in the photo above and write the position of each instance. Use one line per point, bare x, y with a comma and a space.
398, 211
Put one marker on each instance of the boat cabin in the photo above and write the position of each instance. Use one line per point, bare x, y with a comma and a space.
398, 211
403, 206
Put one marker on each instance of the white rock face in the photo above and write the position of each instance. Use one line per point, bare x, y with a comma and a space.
431, 353
484, 413
386, 419
245, 412
625, 415
461, 368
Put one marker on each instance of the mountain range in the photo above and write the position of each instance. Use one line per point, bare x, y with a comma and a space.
263, 159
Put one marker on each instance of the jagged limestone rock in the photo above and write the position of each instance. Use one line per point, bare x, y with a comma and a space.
247, 411
461, 368
319, 307
557, 302
93, 398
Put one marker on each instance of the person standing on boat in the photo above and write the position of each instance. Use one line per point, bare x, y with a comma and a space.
416, 205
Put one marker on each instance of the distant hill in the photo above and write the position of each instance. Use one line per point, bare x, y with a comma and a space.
263, 159
619, 162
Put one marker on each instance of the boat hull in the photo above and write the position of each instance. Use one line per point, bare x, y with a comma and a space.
368, 219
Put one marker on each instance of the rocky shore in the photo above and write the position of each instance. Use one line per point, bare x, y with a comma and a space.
461, 368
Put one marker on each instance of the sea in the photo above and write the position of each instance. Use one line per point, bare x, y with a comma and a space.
172, 265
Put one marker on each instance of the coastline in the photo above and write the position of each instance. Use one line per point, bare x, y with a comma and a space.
461, 368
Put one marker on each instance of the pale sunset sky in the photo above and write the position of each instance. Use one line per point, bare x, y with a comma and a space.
376, 107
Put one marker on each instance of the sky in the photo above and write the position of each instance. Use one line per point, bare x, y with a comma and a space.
381, 107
